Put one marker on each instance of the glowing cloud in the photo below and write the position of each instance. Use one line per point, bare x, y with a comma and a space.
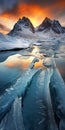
35, 10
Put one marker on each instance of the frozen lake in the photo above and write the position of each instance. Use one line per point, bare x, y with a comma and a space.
30, 79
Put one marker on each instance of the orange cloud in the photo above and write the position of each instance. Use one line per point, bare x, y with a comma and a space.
35, 12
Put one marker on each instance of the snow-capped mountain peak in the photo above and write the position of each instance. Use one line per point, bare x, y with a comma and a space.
45, 24
49, 24
22, 25
26, 23
24, 28
47, 21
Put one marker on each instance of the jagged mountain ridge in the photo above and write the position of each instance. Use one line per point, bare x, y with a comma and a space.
21, 25
45, 26
54, 25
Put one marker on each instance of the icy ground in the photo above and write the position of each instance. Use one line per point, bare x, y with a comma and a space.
27, 39
32, 89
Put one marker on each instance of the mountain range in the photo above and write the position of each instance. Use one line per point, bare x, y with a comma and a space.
25, 34
25, 25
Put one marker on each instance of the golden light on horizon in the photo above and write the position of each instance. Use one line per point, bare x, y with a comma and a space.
23, 62
35, 13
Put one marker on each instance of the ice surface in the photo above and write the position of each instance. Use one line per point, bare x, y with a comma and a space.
28, 38
38, 108
19, 89
8, 76
42, 90
9, 42
13, 119
57, 88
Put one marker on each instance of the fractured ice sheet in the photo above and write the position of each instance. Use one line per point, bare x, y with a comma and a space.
13, 119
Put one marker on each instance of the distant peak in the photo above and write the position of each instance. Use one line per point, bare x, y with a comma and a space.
47, 19
53, 25
24, 19
22, 24
47, 24
56, 22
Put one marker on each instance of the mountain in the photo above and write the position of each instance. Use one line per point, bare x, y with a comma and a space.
24, 34
25, 28
23, 25
49, 24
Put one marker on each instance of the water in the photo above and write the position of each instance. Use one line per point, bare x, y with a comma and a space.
22, 74
60, 60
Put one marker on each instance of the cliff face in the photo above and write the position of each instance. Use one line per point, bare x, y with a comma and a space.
53, 25
25, 26
22, 25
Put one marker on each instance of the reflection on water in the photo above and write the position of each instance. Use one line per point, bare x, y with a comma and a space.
19, 61
22, 59
14, 65
20, 76
22, 62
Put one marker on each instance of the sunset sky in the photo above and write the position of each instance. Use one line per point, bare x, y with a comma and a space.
36, 10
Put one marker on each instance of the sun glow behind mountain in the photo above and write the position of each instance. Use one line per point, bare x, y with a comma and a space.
35, 11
